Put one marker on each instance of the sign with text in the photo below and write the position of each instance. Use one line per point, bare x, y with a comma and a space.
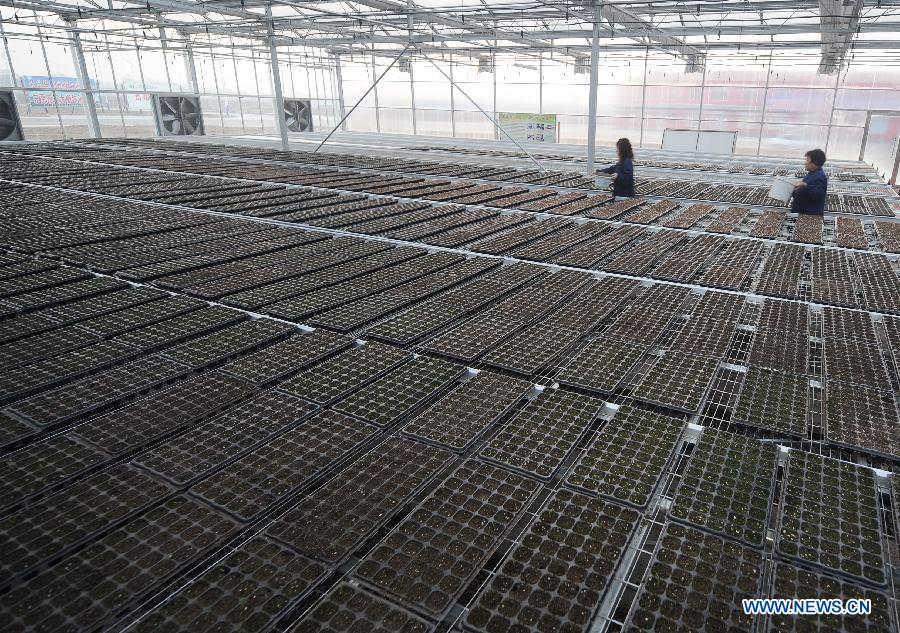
41, 90
528, 127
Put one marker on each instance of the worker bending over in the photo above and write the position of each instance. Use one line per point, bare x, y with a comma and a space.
623, 183
810, 195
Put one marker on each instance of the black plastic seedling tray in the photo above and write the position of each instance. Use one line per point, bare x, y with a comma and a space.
602, 364
556, 576
286, 357
791, 581
247, 590
349, 608
54, 525
348, 371
830, 517
190, 456
459, 418
862, 418
696, 583
775, 401
539, 437
427, 561
335, 520
677, 380
728, 486
628, 456
391, 396
280, 467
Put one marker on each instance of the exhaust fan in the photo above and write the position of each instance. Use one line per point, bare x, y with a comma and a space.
298, 115
178, 115
10, 126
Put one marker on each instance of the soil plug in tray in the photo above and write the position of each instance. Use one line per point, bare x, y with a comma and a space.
557, 574
538, 438
335, 519
246, 591
87, 590
344, 373
429, 559
50, 526
602, 364
831, 518
188, 457
696, 583
677, 380
233, 340
392, 395
628, 456
458, 418
348, 608
861, 418
775, 401
791, 581
728, 486
281, 466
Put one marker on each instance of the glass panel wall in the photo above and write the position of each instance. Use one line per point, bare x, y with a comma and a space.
776, 100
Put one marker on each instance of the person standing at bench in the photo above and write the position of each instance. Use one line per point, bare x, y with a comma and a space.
810, 195
623, 183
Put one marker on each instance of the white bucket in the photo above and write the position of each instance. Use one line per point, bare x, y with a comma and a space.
782, 189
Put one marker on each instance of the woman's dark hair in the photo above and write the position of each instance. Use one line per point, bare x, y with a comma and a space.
623, 145
816, 156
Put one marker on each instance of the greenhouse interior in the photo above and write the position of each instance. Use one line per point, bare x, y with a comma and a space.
486, 316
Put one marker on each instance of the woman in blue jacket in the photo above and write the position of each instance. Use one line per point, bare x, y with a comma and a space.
810, 195
623, 183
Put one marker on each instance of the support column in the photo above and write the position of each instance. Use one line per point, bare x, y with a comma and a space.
165, 54
12, 69
592, 95
644, 96
541, 85
412, 82
452, 101
375, 95
700, 111
339, 79
837, 82
762, 118
276, 84
84, 78
190, 67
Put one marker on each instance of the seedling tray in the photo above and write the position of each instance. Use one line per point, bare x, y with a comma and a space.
775, 401
428, 560
728, 487
55, 525
780, 349
628, 456
90, 589
696, 583
791, 581
556, 576
830, 517
279, 468
538, 438
602, 364
336, 377
247, 591
286, 357
677, 380
459, 418
188, 457
336, 519
862, 418
232, 341
63, 404
391, 396
42, 466
349, 608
